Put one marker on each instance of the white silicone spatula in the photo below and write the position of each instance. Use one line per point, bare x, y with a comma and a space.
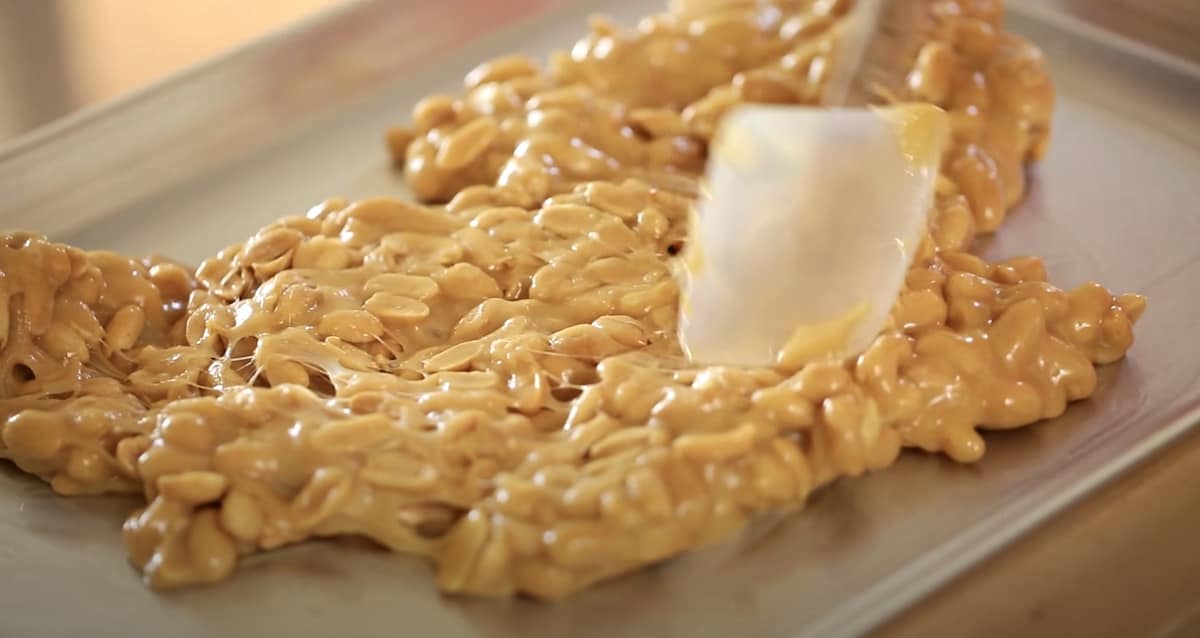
812, 218
813, 215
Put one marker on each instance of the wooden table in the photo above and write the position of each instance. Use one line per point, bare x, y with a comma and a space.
1123, 563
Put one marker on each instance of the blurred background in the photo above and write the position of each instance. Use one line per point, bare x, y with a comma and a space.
57, 56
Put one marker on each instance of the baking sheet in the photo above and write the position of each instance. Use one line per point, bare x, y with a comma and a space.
204, 160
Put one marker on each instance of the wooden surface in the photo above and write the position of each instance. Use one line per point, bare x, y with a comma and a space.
1125, 562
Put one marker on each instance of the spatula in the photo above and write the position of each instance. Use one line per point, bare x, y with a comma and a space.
813, 215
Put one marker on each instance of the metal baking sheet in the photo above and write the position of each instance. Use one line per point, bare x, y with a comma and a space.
204, 159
